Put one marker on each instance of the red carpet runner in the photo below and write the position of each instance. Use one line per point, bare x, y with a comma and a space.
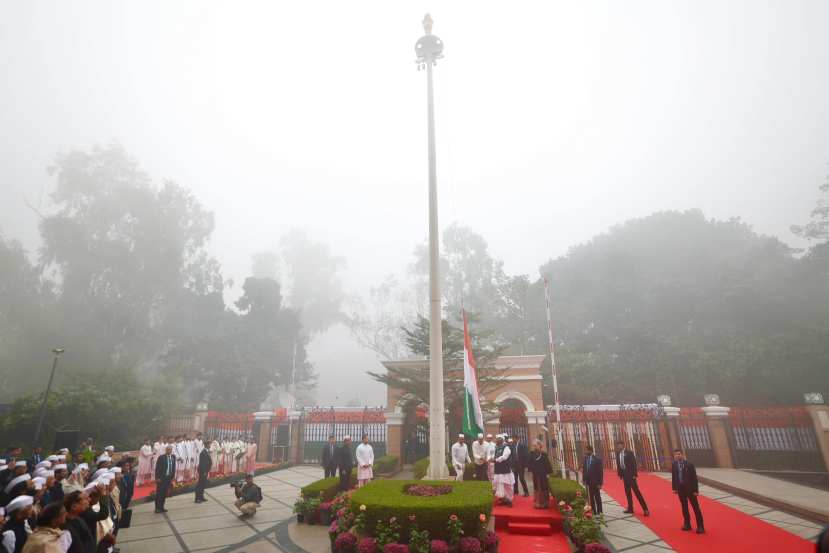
522, 529
727, 529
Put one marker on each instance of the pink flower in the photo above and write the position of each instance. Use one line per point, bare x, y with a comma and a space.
578, 494
470, 545
439, 546
392, 520
482, 517
561, 504
588, 514
411, 518
453, 517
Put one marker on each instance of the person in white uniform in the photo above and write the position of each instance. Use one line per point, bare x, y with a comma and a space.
503, 478
490, 456
480, 451
365, 461
460, 457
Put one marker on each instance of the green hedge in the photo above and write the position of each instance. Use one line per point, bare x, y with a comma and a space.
385, 499
385, 464
422, 465
326, 488
565, 490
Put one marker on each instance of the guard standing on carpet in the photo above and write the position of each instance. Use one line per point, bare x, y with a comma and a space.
685, 485
592, 477
626, 468
203, 469
165, 472
519, 464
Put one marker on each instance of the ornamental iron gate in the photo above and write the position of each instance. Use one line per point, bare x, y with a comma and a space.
513, 420
320, 422
775, 438
693, 433
224, 427
601, 426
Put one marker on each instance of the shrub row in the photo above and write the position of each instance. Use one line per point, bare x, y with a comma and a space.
422, 465
326, 488
565, 490
385, 499
385, 464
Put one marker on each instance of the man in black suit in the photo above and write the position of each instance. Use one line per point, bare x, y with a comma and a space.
685, 485
165, 472
593, 478
627, 471
519, 465
329, 457
345, 463
205, 464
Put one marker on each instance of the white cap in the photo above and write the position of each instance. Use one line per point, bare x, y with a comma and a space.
59, 467
61, 457
15, 481
52, 458
104, 458
43, 465
2, 461
21, 464
4, 467
109, 448
115, 470
64, 450
39, 482
19, 502
39, 472
2, 512
91, 486
84, 466
489, 435
99, 472
480, 435
461, 436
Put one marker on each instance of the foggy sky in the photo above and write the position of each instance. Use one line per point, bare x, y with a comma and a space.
555, 120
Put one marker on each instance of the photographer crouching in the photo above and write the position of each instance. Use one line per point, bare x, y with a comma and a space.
249, 496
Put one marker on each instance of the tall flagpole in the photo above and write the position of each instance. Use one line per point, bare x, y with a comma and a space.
555, 379
429, 49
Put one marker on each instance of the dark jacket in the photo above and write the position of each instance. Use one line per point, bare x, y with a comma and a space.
91, 518
521, 456
82, 540
686, 482
205, 462
345, 461
539, 465
329, 455
250, 493
161, 467
55, 493
592, 471
503, 467
630, 470
126, 487
19, 531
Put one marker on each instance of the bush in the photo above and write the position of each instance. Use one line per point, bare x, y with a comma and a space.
326, 488
385, 499
565, 490
385, 464
422, 465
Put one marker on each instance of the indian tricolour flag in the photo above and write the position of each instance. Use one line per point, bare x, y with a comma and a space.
473, 421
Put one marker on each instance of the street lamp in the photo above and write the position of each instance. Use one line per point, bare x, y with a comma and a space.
429, 49
56, 352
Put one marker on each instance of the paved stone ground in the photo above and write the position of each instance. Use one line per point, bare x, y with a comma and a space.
215, 526
627, 534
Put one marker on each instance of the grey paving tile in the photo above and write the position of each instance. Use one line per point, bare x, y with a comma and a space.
217, 538
226, 520
167, 544
146, 531
620, 543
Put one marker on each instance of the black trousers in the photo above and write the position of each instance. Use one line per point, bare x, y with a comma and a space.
161, 492
518, 472
345, 478
631, 485
594, 496
201, 483
684, 499
480, 473
330, 471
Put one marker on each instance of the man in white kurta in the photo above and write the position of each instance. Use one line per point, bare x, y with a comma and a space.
365, 461
503, 478
145, 464
460, 457
480, 453
490, 456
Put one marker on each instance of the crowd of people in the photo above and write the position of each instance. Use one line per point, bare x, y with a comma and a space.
64, 503
227, 456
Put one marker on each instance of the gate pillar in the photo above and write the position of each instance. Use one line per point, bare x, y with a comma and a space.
295, 418
669, 434
264, 451
394, 435
820, 419
716, 419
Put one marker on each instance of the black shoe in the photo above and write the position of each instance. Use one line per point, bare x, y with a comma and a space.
158, 511
628, 511
700, 530
686, 528
647, 513
525, 495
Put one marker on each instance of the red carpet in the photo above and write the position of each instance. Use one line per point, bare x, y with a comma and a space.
145, 490
727, 529
523, 529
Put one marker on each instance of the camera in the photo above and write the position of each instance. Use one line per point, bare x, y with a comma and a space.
237, 484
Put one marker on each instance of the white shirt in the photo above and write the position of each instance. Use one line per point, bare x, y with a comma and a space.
365, 455
504, 456
480, 452
460, 454
490, 454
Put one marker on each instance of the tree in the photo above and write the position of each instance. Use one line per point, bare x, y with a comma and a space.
378, 324
818, 227
414, 383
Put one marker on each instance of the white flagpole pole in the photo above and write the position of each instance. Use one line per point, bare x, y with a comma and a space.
555, 380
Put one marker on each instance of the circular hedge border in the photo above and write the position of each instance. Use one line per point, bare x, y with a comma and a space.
387, 498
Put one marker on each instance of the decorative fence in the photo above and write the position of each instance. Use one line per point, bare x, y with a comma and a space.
179, 424
318, 423
774, 438
693, 435
222, 426
603, 425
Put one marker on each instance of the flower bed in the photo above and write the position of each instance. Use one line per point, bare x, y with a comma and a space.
426, 490
420, 467
581, 524
565, 490
470, 503
326, 488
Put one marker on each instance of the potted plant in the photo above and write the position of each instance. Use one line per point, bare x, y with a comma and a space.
299, 509
490, 542
325, 513
312, 510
